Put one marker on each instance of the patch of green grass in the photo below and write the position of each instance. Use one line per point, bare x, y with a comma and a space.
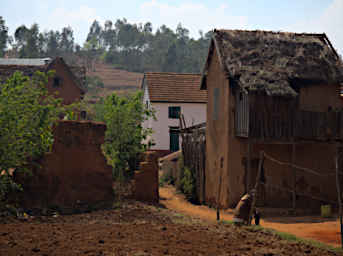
292, 238
179, 215
226, 222
288, 237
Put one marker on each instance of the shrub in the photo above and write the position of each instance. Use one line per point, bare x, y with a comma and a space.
27, 115
167, 178
188, 185
125, 134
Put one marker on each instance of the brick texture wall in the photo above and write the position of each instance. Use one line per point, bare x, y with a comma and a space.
146, 179
75, 173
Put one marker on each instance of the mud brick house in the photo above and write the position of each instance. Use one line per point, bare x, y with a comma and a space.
277, 92
68, 81
172, 94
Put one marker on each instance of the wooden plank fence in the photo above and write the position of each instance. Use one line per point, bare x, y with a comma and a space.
295, 125
194, 157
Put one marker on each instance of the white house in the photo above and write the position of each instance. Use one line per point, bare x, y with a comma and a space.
171, 94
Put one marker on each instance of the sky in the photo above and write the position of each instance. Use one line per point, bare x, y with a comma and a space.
311, 16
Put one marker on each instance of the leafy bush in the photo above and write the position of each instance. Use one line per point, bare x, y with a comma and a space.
93, 83
188, 185
27, 115
180, 174
167, 178
99, 110
8, 188
124, 117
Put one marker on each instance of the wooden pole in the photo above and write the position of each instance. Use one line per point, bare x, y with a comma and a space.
218, 194
294, 178
248, 167
257, 183
339, 194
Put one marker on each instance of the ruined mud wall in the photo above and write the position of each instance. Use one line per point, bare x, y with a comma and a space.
146, 179
75, 173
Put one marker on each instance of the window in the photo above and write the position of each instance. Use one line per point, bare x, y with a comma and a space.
174, 112
56, 82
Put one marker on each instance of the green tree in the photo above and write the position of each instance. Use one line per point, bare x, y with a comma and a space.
99, 110
52, 43
125, 134
27, 114
28, 41
3, 36
109, 35
93, 83
94, 38
67, 40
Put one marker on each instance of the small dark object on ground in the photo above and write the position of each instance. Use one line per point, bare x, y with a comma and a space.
257, 217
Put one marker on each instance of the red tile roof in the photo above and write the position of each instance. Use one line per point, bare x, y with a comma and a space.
174, 87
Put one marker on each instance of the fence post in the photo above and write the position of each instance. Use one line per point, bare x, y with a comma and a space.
218, 194
258, 178
294, 177
339, 193
247, 178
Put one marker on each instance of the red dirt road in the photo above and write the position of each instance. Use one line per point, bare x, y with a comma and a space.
315, 228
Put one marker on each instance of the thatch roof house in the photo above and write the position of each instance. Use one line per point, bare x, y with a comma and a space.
271, 91
275, 61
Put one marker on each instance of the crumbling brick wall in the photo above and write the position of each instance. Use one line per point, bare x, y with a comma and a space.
146, 179
75, 173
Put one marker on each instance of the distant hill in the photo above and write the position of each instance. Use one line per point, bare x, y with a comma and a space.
114, 80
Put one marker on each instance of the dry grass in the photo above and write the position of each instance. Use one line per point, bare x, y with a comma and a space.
263, 60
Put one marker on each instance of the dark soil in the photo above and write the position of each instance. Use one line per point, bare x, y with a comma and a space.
139, 229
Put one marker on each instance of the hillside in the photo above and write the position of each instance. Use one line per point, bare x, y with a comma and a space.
114, 80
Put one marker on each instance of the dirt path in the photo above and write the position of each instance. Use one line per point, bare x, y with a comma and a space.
315, 228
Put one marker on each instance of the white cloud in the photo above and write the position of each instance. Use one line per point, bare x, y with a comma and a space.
330, 22
82, 14
78, 19
193, 16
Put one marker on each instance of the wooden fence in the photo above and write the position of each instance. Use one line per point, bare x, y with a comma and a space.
293, 189
296, 125
194, 156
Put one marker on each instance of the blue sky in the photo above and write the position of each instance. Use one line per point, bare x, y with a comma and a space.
279, 15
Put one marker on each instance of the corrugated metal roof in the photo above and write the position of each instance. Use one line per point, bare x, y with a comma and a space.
24, 62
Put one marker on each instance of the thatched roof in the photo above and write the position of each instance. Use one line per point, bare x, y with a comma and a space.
273, 61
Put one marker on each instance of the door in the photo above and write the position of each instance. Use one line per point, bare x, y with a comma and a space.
174, 139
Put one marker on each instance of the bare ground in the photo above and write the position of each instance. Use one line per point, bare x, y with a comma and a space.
326, 230
139, 229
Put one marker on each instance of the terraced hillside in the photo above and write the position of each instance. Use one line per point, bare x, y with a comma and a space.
115, 80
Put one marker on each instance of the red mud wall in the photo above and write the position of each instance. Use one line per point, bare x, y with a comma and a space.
75, 172
146, 179
217, 160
